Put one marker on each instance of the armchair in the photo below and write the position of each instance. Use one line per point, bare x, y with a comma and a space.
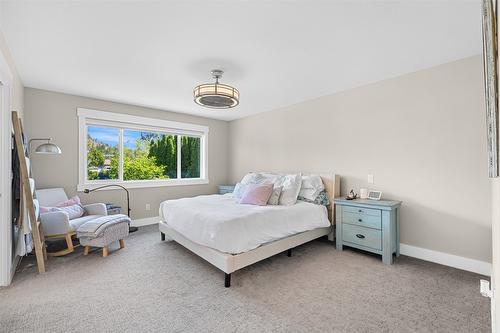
57, 224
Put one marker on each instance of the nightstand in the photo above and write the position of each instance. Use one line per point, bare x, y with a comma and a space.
223, 189
369, 225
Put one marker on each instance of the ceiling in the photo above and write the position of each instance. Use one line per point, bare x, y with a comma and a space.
152, 53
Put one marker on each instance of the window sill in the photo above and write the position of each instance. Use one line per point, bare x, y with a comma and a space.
142, 184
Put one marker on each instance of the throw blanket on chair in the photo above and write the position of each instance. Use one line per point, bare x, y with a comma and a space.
96, 227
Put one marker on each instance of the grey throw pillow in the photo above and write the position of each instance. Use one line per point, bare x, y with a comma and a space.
321, 199
275, 196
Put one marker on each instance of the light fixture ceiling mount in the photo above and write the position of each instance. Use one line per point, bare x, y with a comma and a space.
216, 95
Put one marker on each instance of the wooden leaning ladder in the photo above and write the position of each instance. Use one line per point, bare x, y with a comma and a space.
27, 195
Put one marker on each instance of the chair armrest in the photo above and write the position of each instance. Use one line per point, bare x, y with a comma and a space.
96, 209
55, 223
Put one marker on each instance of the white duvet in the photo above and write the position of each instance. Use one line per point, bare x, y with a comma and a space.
219, 222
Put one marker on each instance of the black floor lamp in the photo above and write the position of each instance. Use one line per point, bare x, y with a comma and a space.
130, 229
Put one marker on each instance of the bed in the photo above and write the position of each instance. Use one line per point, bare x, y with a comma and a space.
231, 236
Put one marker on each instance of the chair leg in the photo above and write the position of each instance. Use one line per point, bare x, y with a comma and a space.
86, 250
70, 248
105, 251
69, 241
122, 243
162, 236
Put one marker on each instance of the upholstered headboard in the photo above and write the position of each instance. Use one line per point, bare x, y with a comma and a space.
331, 181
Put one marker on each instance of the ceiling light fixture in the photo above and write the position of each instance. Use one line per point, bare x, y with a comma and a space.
216, 95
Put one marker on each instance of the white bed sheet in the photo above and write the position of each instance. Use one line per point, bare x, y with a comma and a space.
219, 222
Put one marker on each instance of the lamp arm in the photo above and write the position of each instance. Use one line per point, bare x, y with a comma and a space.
113, 185
110, 185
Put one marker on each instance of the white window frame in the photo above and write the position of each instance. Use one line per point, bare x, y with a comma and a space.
122, 121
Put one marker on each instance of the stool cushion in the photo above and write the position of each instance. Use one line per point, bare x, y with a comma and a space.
111, 233
76, 223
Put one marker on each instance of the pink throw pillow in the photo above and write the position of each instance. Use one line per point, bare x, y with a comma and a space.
70, 202
257, 194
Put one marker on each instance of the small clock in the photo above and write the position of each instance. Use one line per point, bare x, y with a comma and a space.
374, 195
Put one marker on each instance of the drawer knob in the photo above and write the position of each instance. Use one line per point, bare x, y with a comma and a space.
360, 220
360, 211
360, 236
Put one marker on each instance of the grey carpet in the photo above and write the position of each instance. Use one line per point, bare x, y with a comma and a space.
160, 286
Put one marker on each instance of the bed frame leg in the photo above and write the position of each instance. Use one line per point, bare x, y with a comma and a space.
227, 280
289, 252
162, 236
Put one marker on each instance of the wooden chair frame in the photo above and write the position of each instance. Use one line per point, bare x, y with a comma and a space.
69, 241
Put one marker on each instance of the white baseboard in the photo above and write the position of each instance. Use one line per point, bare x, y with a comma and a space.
467, 264
145, 221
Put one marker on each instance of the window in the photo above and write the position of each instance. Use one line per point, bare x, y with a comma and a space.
139, 152
102, 152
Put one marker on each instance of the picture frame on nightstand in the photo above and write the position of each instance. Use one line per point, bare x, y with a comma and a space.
374, 195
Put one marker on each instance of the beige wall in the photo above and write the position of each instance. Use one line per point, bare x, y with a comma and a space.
54, 114
421, 135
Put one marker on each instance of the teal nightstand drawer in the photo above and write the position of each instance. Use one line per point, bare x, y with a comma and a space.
367, 237
362, 220
363, 211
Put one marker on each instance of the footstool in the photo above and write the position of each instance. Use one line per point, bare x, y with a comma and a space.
103, 231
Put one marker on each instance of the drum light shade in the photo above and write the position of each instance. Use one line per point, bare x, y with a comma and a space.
216, 95
48, 148
45, 148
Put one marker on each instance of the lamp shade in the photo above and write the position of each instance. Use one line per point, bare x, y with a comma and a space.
48, 148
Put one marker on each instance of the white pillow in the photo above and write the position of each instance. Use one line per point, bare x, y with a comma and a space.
248, 178
290, 188
260, 178
239, 189
311, 187
74, 211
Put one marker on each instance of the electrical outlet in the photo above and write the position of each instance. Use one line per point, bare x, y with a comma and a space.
148, 207
370, 179
485, 288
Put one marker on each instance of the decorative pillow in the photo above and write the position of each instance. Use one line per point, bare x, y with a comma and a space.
73, 212
290, 185
45, 209
274, 199
311, 187
239, 189
260, 178
321, 199
248, 178
257, 194
70, 202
